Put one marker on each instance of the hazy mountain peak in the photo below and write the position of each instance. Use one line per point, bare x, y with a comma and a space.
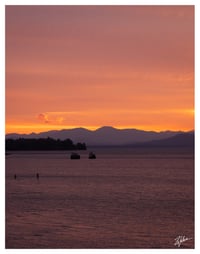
106, 128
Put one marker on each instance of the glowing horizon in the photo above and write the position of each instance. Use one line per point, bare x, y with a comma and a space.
94, 66
27, 129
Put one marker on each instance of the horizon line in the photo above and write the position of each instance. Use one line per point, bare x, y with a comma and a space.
101, 127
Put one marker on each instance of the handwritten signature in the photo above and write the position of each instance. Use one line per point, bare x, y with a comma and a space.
181, 239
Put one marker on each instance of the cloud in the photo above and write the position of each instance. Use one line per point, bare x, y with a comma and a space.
52, 117
60, 120
43, 117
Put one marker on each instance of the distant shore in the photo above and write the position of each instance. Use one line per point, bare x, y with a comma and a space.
42, 144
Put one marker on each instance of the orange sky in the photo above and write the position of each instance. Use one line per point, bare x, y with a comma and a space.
91, 66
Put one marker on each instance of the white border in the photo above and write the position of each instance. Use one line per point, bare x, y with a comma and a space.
2, 126
2, 117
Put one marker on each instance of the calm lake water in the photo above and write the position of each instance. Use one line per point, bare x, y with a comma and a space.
126, 198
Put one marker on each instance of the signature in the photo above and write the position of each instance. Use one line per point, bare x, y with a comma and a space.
181, 239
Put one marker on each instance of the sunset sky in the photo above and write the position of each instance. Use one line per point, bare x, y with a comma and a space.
93, 66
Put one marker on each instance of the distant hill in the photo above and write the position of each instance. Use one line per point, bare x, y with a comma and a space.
104, 136
179, 140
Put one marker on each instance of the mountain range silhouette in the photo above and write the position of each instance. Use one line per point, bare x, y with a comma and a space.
110, 136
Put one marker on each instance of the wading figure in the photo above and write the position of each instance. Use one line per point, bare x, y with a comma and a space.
37, 176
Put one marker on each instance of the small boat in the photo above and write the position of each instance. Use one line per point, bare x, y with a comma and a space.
92, 155
75, 156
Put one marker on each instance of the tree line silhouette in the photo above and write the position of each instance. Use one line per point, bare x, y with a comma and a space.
43, 144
